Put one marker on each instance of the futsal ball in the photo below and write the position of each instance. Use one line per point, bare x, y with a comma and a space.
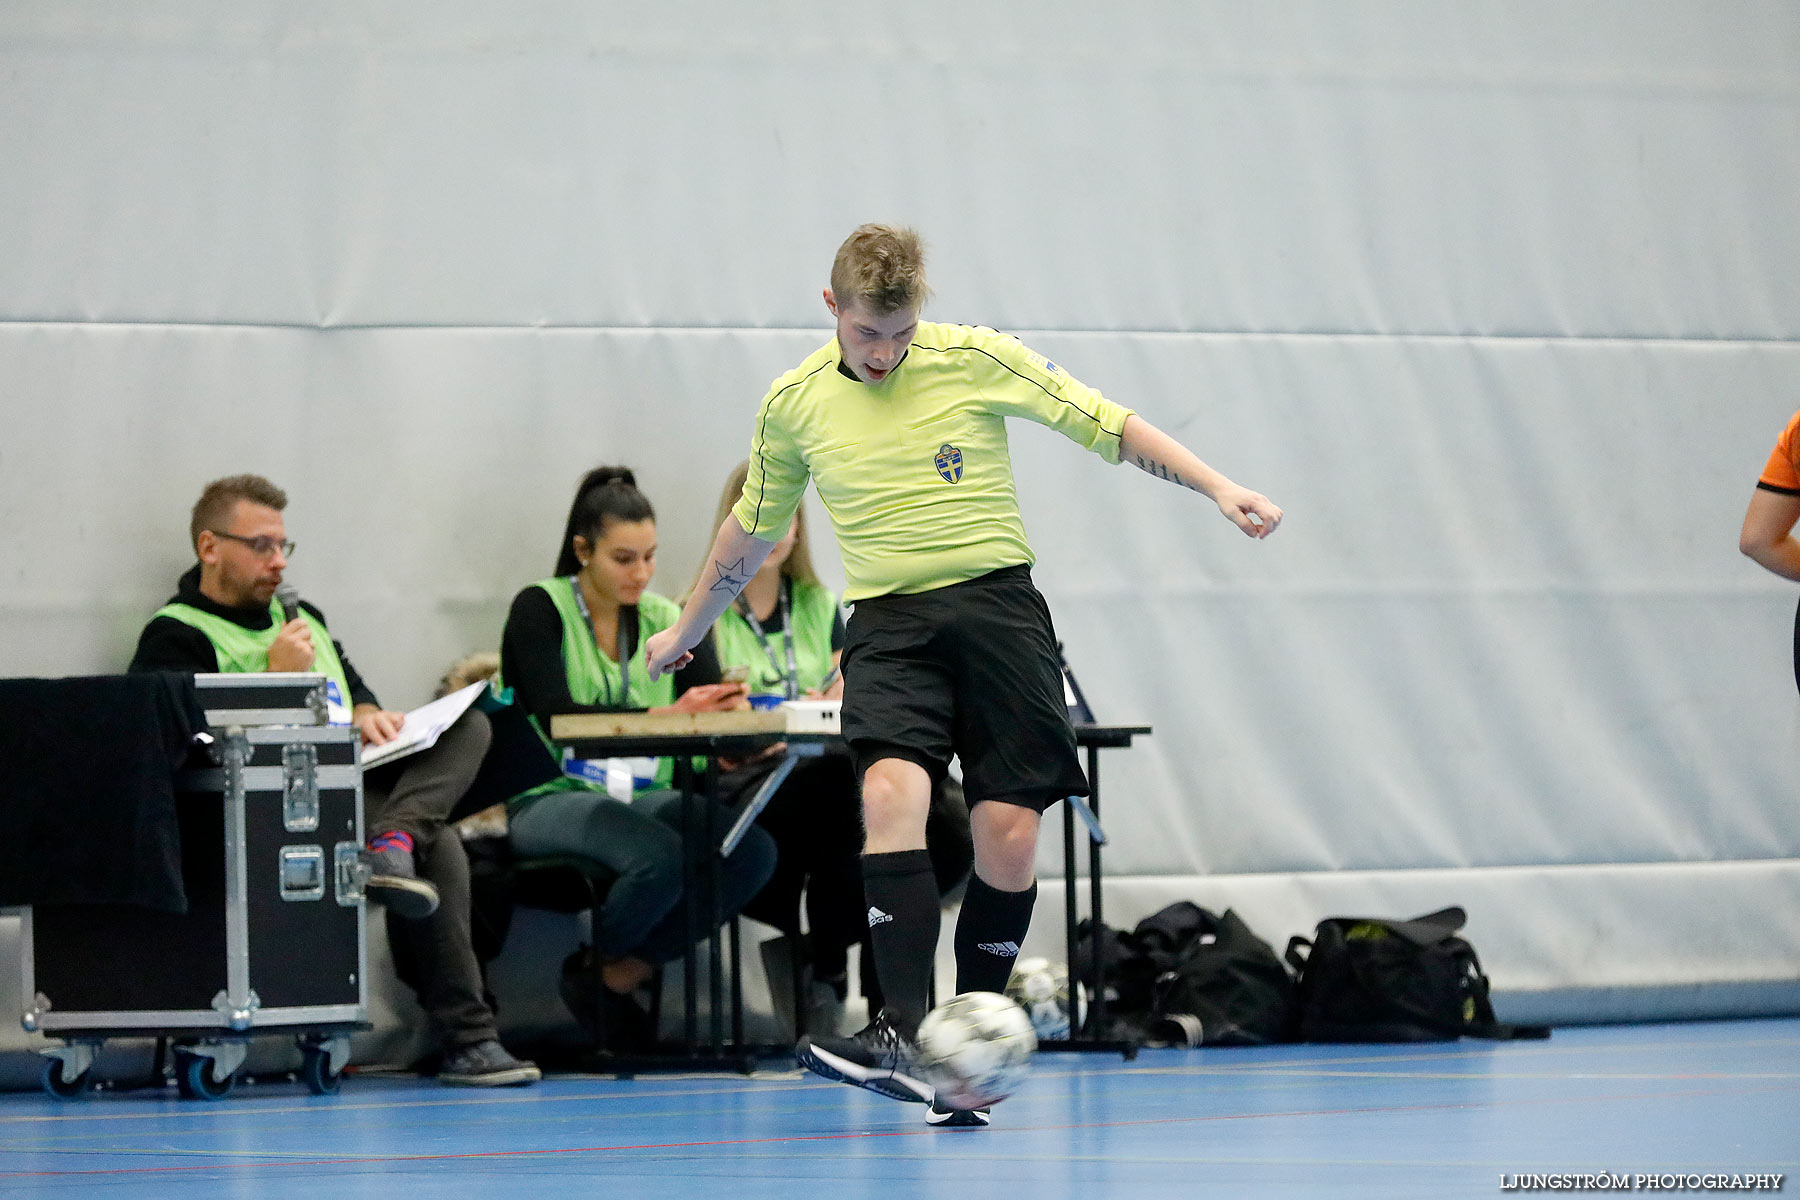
975, 1049
1041, 988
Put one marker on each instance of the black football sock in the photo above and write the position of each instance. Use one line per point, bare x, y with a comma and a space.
989, 931
903, 929
871, 977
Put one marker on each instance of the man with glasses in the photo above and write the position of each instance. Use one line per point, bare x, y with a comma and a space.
226, 616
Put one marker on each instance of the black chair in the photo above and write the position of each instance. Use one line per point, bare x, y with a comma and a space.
574, 885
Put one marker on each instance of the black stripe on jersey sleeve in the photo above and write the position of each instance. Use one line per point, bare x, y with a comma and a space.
762, 429
1028, 379
1780, 491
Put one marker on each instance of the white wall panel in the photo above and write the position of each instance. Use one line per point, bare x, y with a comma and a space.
428, 471
1598, 168
1492, 630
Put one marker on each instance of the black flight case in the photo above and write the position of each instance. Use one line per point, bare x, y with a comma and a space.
274, 937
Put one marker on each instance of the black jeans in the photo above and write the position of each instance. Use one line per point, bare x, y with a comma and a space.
415, 795
815, 818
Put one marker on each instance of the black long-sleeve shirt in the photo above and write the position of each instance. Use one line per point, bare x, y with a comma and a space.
171, 645
532, 664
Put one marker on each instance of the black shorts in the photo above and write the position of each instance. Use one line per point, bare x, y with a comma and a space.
970, 670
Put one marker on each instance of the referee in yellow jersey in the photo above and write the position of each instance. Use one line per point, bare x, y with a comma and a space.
901, 424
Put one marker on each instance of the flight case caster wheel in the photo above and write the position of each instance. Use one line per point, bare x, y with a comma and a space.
316, 1072
64, 1088
194, 1077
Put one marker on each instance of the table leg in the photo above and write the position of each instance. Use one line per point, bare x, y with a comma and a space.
1094, 890
1071, 924
715, 911
690, 959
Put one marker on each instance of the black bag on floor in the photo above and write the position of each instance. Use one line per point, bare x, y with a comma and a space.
1186, 977
1370, 980
1225, 987
1131, 973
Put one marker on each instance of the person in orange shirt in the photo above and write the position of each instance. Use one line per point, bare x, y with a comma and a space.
1768, 533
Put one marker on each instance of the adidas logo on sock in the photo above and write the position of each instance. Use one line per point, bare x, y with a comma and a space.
876, 916
1003, 949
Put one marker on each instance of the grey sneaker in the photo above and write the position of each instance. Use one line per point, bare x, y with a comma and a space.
957, 1118
486, 1064
394, 882
878, 1057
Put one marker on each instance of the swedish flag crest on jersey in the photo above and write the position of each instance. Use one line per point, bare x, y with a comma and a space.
948, 462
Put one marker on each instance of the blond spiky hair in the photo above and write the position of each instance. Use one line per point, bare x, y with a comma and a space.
881, 266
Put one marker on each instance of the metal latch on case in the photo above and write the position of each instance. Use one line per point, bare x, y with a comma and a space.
300, 788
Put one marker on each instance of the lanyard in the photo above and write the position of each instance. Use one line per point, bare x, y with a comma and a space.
790, 679
624, 663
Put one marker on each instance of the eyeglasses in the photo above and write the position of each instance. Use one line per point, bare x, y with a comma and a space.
262, 547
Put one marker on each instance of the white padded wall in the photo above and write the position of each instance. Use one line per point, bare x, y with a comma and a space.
1588, 169
1500, 301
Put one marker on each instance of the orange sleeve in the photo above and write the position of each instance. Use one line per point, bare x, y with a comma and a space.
1782, 474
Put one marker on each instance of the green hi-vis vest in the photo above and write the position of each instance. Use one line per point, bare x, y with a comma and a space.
247, 650
813, 613
594, 678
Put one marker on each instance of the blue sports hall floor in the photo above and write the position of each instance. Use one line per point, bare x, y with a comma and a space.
1677, 1101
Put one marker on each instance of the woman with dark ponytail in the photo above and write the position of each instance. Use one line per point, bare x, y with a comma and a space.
575, 643
604, 494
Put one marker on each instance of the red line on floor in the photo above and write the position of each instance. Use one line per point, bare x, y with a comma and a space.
885, 1133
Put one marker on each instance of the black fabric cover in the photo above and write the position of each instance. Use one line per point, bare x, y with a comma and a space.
87, 788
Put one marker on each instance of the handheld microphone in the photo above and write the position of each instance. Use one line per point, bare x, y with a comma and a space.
289, 595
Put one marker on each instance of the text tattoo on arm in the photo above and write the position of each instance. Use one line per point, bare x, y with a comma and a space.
1162, 471
732, 579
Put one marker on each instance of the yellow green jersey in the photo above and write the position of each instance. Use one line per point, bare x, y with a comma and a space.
915, 470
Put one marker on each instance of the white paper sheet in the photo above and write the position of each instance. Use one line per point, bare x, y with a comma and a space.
423, 726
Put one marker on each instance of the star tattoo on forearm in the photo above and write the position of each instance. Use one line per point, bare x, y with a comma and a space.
732, 579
